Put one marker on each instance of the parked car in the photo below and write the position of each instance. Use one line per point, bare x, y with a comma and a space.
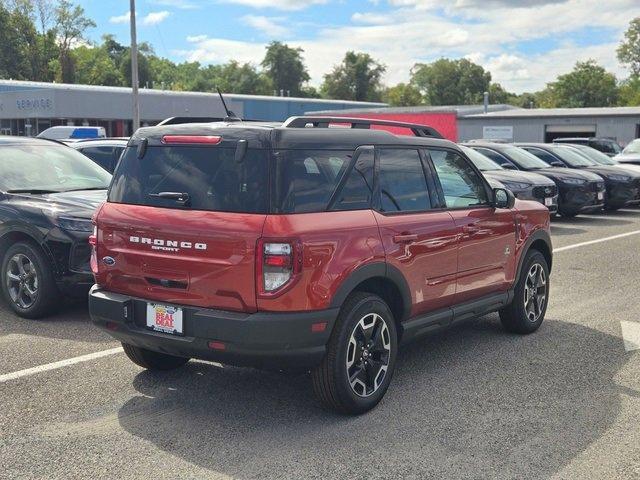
48, 193
524, 185
579, 191
105, 152
72, 133
622, 187
310, 248
607, 146
602, 159
630, 154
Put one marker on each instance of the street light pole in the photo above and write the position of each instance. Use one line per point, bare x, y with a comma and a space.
134, 69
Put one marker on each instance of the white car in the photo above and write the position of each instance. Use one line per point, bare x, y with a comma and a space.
631, 153
73, 133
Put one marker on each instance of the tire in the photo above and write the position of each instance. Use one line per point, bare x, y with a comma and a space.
613, 208
569, 214
28, 284
153, 360
364, 319
527, 310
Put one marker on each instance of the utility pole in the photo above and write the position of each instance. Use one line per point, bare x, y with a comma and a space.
134, 69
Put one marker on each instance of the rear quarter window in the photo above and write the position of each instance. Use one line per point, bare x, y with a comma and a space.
210, 176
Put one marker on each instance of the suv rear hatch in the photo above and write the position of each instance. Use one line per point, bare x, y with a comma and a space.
182, 222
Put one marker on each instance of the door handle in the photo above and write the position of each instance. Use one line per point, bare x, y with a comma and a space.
470, 229
405, 238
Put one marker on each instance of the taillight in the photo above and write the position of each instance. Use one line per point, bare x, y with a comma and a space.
93, 241
278, 263
191, 139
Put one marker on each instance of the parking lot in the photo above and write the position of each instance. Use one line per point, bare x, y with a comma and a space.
471, 402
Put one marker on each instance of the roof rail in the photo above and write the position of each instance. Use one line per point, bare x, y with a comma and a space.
360, 123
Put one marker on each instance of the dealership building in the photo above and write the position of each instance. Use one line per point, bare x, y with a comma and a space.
28, 108
513, 124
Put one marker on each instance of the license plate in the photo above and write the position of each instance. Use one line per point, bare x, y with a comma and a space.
164, 318
600, 195
548, 202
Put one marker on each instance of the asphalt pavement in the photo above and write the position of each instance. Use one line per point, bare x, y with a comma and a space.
471, 402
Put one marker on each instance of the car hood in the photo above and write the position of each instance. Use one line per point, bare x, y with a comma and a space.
606, 170
80, 204
518, 176
566, 173
628, 157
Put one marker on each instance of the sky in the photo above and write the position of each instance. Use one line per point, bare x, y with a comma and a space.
523, 43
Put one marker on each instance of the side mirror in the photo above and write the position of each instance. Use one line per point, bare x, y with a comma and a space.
509, 166
503, 198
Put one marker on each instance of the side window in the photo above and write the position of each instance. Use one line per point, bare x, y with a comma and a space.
542, 155
461, 184
495, 156
403, 187
103, 156
357, 191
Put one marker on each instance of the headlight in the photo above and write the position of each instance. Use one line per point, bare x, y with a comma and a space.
516, 186
74, 224
574, 181
619, 178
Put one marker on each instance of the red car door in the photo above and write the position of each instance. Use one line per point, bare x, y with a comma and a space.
419, 241
486, 260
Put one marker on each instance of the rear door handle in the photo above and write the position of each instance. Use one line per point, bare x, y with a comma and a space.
405, 238
470, 229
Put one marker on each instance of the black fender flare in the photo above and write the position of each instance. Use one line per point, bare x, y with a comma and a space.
374, 270
33, 233
539, 234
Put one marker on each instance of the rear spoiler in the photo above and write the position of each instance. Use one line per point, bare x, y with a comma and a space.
360, 123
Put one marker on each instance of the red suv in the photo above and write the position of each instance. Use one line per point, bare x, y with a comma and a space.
302, 247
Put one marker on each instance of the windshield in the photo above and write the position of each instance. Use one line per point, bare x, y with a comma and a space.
595, 155
633, 147
483, 163
572, 158
524, 159
48, 168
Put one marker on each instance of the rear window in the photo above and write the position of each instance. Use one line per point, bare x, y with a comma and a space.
305, 180
210, 176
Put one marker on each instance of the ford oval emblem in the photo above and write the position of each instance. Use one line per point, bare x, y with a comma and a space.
109, 261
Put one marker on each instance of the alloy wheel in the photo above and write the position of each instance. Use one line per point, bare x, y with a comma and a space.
22, 281
368, 355
535, 292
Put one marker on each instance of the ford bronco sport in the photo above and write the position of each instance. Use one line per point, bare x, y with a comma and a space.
299, 246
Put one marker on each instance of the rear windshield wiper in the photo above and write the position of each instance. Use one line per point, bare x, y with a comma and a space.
86, 189
33, 191
179, 197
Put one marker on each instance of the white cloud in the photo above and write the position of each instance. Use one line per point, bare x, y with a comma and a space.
489, 33
124, 18
154, 18
181, 4
270, 26
278, 4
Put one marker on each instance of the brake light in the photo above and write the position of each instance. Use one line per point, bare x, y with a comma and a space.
278, 263
191, 139
93, 241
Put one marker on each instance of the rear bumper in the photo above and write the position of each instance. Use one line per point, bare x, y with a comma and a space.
262, 339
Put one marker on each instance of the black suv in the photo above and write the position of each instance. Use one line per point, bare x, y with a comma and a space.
48, 193
580, 191
607, 146
622, 186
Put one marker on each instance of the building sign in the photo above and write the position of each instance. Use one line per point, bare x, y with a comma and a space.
37, 104
498, 133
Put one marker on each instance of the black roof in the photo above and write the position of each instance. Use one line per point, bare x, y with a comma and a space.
270, 135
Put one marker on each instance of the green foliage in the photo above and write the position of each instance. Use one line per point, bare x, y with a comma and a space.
285, 68
402, 95
629, 49
630, 92
451, 82
358, 77
70, 26
588, 85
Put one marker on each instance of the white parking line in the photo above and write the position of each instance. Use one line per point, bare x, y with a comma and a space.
592, 242
55, 365
631, 335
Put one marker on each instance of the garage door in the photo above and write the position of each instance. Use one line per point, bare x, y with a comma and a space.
563, 131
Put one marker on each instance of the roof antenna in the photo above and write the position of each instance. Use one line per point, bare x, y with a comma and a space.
231, 117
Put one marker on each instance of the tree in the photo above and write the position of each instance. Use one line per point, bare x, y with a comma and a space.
451, 82
70, 25
588, 85
94, 66
285, 68
629, 49
358, 78
629, 93
403, 95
